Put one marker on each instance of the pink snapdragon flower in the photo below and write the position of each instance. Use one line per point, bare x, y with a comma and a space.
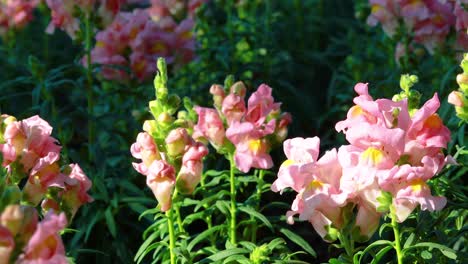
251, 148
390, 151
45, 245
75, 190
161, 180
192, 168
319, 199
246, 127
384, 12
209, 126
31, 141
233, 108
146, 150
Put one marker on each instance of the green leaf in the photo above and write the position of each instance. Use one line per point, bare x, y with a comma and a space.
380, 254
299, 241
110, 222
448, 252
409, 241
139, 255
358, 256
426, 254
224, 254
250, 211
203, 235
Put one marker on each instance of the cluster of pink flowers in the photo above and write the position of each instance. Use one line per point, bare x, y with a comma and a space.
390, 151
15, 14
252, 129
135, 39
64, 15
30, 152
428, 22
183, 158
25, 240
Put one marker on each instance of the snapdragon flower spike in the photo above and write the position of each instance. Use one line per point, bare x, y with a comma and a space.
247, 127
167, 149
390, 152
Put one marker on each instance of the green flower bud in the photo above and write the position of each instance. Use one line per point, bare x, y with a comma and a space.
260, 254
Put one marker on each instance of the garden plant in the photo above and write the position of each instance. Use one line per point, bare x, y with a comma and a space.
193, 131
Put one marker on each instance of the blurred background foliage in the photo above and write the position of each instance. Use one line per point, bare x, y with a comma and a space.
311, 53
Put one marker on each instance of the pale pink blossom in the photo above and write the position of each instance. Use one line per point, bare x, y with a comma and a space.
192, 168
251, 149
161, 180
209, 126
145, 149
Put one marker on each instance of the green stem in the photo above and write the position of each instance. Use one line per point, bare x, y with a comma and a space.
347, 244
177, 211
208, 218
89, 77
170, 224
396, 232
233, 201
260, 184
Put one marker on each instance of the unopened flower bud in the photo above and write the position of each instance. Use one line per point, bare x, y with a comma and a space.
165, 118
176, 141
239, 89
456, 98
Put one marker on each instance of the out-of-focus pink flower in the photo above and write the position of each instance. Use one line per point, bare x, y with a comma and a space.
209, 126
45, 245
62, 17
7, 244
161, 180
384, 12
16, 14
192, 168
146, 150
20, 220
251, 149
